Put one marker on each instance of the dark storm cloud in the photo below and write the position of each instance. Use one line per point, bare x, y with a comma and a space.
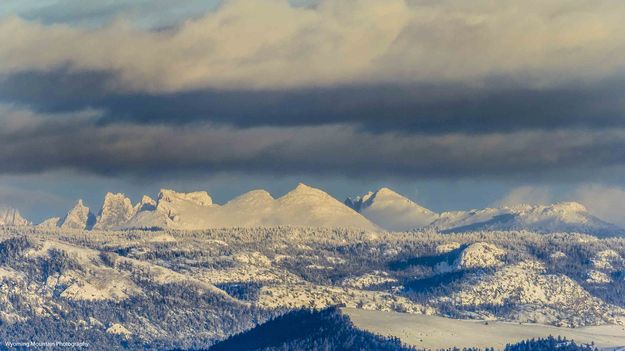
429, 108
33, 143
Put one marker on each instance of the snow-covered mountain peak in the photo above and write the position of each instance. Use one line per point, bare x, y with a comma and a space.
391, 210
256, 197
116, 210
559, 217
569, 207
79, 217
384, 192
303, 191
11, 216
200, 198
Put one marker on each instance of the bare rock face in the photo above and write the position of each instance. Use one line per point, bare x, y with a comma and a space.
11, 216
78, 217
116, 210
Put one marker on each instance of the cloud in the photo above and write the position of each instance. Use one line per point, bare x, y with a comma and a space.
532, 195
606, 202
148, 13
270, 44
79, 142
434, 108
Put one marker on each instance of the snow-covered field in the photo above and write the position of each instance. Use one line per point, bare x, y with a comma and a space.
434, 332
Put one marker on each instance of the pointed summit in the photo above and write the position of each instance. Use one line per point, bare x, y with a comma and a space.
78, 217
392, 211
308, 206
116, 210
11, 216
303, 191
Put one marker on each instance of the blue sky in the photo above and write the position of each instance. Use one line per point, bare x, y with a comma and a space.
457, 106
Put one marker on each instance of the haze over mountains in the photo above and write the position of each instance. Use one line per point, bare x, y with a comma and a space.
306, 206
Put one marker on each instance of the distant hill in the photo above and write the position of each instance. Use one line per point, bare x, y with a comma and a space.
326, 329
395, 212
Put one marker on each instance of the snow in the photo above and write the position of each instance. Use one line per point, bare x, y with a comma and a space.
200, 198
118, 329
52, 222
8, 273
479, 255
116, 209
447, 247
559, 217
607, 260
86, 291
391, 210
78, 217
304, 206
433, 332
395, 212
254, 258
12, 217
306, 295
544, 295
597, 277
368, 279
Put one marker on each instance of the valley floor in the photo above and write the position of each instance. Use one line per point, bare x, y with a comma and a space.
433, 332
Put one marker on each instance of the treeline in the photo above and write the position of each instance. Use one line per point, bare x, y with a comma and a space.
330, 330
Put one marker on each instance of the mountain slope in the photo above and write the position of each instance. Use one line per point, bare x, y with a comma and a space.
560, 217
303, 206
391, 210
11, 216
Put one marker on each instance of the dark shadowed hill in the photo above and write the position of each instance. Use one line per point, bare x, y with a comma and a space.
326, 329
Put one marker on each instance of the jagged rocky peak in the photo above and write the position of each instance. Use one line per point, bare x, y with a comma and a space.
116, 210
11, 216
79, 217
357, 202
146, 204
200, 198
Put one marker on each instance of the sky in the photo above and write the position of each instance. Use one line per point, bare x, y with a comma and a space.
455, 104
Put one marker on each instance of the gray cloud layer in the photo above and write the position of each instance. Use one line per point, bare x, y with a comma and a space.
433, 108
34, 143
363, 87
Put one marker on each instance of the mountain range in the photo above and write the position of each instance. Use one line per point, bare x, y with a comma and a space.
306, 206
